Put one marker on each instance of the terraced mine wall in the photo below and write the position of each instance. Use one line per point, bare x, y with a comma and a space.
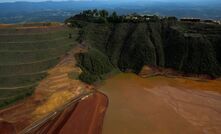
190, 48
26, 54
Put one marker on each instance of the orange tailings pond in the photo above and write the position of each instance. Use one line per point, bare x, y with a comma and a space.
161, 105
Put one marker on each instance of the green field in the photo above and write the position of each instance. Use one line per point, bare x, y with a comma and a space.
26, 53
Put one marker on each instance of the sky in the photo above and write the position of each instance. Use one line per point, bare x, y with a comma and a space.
27, 0
86, 0
1, 1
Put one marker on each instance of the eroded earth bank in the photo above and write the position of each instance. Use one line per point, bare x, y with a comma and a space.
60, 103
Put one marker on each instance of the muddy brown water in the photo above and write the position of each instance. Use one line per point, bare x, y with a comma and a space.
161, 105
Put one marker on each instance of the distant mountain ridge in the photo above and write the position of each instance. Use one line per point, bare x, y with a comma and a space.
19, 12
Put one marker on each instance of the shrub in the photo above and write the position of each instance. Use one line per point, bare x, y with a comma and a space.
94, 64
88, 77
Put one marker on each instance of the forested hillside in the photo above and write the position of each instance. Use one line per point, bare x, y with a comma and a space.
191, 48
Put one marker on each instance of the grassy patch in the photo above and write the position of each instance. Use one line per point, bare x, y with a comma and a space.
26, 55
9, 97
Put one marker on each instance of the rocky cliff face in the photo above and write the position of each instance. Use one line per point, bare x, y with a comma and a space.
180, 46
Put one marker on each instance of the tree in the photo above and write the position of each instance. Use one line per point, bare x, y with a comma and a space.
95, 12
103, 13
113, 17
88, 13
114, 14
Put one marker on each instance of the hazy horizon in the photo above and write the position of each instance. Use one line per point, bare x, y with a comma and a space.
2, 1
59, 11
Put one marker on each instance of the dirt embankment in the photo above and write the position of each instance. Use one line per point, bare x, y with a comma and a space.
53, 92
84, 117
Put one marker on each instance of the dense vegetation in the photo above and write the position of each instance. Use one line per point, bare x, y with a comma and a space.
94, 65
27, 52
103, 16
193, 48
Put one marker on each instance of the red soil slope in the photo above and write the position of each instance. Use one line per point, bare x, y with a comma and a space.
6, 128
85, 117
